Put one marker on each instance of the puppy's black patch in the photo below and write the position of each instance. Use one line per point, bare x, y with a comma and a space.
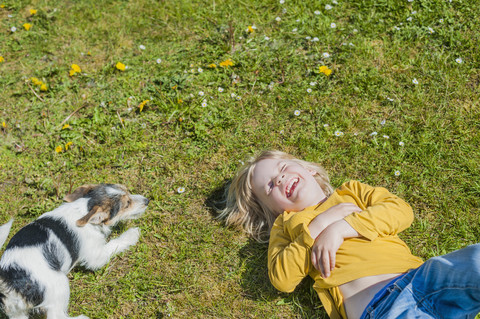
21, 282
61, 230
36, 233
30, 235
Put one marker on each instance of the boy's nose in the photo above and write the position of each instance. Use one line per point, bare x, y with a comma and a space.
280, 178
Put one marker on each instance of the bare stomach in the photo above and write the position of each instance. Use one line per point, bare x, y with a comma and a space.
359, 292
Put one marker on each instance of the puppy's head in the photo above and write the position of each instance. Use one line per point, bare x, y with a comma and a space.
108, 204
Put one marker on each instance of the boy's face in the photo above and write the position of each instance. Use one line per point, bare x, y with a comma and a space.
283, 185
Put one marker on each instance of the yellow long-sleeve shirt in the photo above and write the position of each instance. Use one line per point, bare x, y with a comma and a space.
378, 251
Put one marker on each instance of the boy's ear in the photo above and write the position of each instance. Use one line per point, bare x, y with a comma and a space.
313, 172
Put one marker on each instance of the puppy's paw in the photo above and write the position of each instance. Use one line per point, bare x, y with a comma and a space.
131, 236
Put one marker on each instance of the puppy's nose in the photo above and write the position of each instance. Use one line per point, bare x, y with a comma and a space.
146, 201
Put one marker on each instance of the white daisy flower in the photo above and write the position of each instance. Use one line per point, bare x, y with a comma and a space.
313, 83
181, 190
308, 37
459, 60
296, 113
328, 7
386, 137
396, 28
409, 19
315, 39
278, 19
238, 98
266, 38
334, 2
326, 54
282, 1
13, 29
199, 70
294, 30
390, 99
326, 125
397, 173
233, 95
414, 12
204, 103
317, 12
333, 25
201, 93
415, 81
441, 20
220, 89
430, 30
373, 134
401, 143
382, 122
355, 31
338, 133
141, 47
284, 10
351, 44
309, 90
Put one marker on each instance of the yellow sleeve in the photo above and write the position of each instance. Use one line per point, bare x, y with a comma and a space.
288, 255
384, 214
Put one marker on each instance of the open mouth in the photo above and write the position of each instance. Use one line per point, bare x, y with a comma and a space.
291, 187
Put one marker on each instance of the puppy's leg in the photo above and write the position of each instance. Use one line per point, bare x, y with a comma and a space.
15, 306
56, 299
114, 246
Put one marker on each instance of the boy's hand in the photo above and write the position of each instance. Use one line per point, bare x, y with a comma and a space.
330, 216
326, 245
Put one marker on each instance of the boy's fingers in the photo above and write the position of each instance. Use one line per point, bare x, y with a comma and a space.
326, 264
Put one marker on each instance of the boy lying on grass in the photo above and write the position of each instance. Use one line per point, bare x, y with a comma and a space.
347, 241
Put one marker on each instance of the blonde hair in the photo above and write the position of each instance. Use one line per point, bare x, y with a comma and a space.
244, 210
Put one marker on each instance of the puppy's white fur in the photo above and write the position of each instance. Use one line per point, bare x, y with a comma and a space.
35, 263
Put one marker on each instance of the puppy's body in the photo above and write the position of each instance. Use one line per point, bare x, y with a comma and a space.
37, 259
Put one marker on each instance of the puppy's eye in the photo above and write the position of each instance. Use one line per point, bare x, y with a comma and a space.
129, 202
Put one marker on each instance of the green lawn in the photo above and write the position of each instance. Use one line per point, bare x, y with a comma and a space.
206, 84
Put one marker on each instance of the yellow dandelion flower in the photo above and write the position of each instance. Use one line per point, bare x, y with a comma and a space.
33, 12
141, 105
65, 126
2, 59
325, 70
68, 145
36, 81
250, 29
2, 6
179, 101
89, 53
4, 124
27, 26
212, 66
43, 87
174, 87
75, 68
226, 63
59, 149
120, 66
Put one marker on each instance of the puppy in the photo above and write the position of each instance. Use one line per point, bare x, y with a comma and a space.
36, 261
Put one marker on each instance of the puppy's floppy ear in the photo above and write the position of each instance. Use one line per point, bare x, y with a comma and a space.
79, 192
95, 216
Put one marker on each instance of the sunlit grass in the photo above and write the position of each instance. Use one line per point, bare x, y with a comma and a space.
342, 95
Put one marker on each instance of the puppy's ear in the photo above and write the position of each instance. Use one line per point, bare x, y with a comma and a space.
95, 216
79, 192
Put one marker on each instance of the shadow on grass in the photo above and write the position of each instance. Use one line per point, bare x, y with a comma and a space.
255, 282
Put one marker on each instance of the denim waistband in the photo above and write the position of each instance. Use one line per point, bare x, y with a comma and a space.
382, 293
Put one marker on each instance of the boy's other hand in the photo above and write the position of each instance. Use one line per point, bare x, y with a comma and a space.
326, 245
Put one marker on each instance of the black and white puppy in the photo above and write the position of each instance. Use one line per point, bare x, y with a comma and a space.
36, 261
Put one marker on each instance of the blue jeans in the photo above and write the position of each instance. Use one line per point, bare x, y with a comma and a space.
443, 287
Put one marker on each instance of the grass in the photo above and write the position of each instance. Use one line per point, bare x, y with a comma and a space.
187, 264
